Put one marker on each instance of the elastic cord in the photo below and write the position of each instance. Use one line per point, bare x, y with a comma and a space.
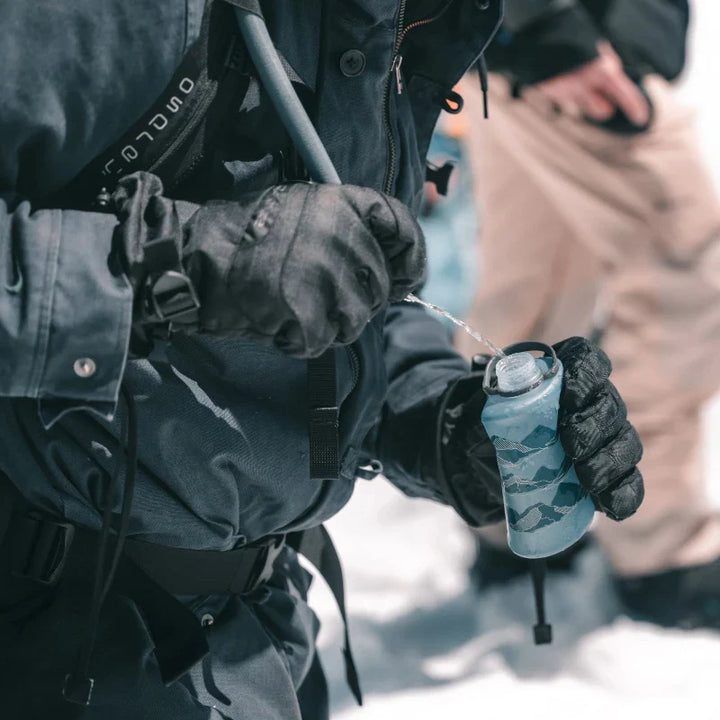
78, 684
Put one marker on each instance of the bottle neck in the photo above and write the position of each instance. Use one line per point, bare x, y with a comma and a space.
517, 372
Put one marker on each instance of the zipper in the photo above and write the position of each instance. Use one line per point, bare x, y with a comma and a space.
355, 365
396, 71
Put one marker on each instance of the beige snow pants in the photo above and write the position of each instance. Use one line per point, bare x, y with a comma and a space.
577, 220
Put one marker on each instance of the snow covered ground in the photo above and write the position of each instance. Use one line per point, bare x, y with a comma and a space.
427, 647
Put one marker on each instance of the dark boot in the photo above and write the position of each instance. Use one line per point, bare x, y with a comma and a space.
684, 597
495, 565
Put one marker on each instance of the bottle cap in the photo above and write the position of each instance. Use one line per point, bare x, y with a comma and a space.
517, 372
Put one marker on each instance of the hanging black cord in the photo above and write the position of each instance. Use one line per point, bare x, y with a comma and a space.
78, 684
130, 443
543, 630
483, 72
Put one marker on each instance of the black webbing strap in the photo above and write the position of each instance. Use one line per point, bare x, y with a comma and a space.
183, 571
152, 143
323, 417
317, 546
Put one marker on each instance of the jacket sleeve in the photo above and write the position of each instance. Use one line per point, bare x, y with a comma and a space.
650, 35
420, 364
65, 311
544, 38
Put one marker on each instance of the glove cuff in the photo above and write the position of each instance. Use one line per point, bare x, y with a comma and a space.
461, 464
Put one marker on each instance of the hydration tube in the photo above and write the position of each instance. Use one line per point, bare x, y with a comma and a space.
283, 96
294, 117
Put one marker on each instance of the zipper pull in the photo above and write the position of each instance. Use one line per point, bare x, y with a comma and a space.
395, 67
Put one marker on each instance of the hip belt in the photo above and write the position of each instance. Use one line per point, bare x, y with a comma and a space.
38, 551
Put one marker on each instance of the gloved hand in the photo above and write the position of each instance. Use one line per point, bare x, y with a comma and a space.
593, 429
302, 266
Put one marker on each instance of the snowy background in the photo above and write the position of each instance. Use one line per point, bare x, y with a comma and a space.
427, 647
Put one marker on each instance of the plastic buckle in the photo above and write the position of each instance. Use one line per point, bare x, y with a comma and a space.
265, 565
173, 299
48, 548
78, 690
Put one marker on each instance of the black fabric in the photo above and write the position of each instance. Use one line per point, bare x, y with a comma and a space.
252, 6
687, 597
300, 266
551, 45
152, 575
495, 565
179, 641
468, 464
543, 39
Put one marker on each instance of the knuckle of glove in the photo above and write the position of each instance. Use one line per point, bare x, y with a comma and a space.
584, 432
402, 242
624, 499
586, 370
608, 467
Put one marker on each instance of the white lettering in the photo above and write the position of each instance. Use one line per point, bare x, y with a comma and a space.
146, 133
174, 104
186, 85
129, 153
159, 122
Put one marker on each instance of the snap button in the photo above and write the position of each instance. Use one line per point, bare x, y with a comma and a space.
84, 367
352, 63
207, 619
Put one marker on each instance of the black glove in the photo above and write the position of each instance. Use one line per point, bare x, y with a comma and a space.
302, 266
593, 429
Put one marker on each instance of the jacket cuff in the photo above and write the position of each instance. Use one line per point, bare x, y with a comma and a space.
89, 317
554, 45
446, 465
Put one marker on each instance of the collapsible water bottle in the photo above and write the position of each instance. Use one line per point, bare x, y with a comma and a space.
547, 510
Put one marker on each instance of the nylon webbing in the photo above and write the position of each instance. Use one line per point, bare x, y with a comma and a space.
317, 546
323, 417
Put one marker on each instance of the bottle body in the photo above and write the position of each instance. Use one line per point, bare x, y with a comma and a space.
547, 510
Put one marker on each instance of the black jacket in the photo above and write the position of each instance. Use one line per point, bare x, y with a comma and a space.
543, 38
223, 422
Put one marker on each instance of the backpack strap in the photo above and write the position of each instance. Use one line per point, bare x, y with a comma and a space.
161, 141
316, 545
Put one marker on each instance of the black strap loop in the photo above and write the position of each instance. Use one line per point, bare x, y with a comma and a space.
317, 546
323, 418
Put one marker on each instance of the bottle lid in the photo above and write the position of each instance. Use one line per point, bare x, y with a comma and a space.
517, 372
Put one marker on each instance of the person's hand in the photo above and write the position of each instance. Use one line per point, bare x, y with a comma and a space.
593, 429
301, 266
598, 90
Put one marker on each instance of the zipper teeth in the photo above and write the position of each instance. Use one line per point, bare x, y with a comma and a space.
401, 34
386, 101
419, 23
401, 22
388, 132
355, 363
